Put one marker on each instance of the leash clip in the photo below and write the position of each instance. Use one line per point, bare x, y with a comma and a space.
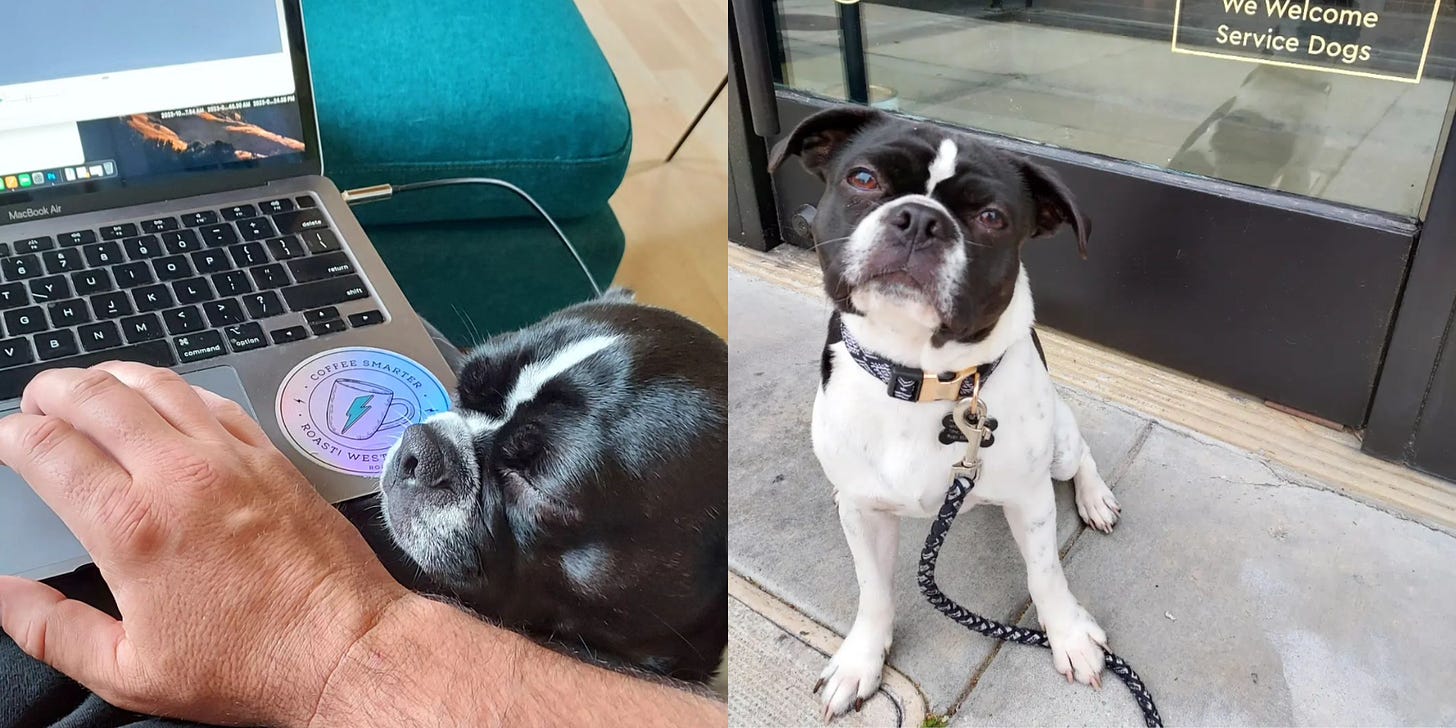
969, 416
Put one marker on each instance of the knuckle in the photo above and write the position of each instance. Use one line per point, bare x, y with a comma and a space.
85, 385
194, 471
42, 439
131, 522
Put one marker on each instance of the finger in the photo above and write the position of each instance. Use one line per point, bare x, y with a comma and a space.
233, 417
170, 395
66, 469
116, 417
71, 636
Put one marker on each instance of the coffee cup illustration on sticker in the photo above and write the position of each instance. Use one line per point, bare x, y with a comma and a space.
359, 410
346, 408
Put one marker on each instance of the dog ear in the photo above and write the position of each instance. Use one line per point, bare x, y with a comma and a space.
817, 138
1055, 205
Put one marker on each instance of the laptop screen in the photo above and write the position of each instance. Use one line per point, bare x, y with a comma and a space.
126, 92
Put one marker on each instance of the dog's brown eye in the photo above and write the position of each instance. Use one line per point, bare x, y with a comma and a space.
992, 219
863, 179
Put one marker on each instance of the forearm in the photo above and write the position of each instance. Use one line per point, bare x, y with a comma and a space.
428, 663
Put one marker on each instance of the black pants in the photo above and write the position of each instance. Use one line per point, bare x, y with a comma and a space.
32, 695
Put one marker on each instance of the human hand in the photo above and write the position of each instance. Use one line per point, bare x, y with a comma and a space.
240, 589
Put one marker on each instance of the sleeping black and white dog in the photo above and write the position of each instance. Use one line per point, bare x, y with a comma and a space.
578, 488
919, 235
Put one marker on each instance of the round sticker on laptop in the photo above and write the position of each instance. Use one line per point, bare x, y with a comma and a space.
345, 408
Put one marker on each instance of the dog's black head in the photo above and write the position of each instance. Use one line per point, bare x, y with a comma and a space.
922, 223
578, 487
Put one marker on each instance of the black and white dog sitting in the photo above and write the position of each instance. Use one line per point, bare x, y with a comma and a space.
919, 235
578, 487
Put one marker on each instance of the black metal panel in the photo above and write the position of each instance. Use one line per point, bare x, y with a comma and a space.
751, 219
1286, 298
1413, 416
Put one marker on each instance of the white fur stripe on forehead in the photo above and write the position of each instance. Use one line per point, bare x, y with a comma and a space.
537, 374
943, 166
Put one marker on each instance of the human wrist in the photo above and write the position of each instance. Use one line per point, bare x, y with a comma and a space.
393, 673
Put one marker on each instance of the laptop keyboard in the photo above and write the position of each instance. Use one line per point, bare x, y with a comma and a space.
174, 290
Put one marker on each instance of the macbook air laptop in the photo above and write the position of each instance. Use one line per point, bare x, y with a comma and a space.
162, 201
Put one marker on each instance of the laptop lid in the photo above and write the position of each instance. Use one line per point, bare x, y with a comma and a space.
108, 104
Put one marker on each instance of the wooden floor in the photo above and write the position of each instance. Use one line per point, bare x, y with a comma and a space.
668, 56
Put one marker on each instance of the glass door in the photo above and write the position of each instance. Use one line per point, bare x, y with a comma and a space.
1256, 170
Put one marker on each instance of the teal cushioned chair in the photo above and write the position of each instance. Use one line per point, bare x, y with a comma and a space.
410, 91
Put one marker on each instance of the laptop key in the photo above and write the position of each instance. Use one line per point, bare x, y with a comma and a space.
328, 327
20, 267
270, 276
198, 346
69, 313
273, 207
79, 237
101, 254
223, 313
365, 318
232, 283
319, 267
306, 201
320, 241
199, 218
172, 268
99, 336
28, 320
181, 241
64, 260
211, 261
183, 320
14, 352
219, 235
146, 246
145, 327
155, 353
12, 295
249, 254
238, 212
263, 305
4, 249
159, 224
131, 275
111, 305
88, 282
321, 314
256, 228
292, 333
325, 293
283, 248
34, 245
153, 298
55, 344
299, 221
192, 290
50, 288
119, 231
245, 337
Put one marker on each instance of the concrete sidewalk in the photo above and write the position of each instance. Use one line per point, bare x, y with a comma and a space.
1242, 594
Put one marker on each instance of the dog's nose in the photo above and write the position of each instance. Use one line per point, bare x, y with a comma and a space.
420, 460
917, 226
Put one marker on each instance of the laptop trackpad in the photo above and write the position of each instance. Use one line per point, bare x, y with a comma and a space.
33, 541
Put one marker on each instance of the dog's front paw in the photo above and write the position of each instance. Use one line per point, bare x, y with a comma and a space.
1096, 504
852, 675
1077, 648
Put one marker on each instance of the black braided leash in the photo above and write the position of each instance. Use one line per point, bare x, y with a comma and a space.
925, 577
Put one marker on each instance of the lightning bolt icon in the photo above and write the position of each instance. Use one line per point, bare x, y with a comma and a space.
356, 410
